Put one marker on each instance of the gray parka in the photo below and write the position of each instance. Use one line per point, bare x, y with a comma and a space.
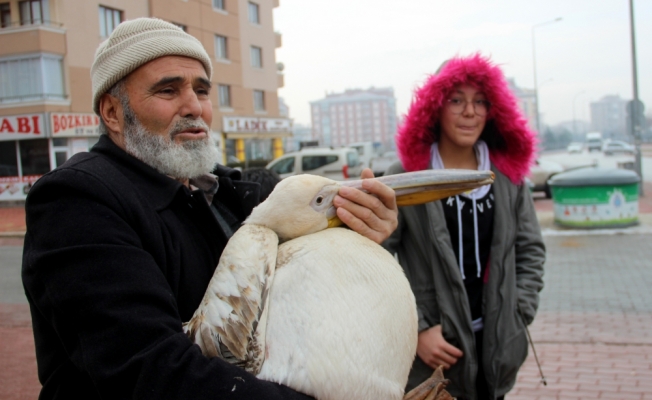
422, 243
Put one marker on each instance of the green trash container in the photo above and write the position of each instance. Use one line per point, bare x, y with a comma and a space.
594, 197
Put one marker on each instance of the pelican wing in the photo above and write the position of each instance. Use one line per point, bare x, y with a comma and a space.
228, 323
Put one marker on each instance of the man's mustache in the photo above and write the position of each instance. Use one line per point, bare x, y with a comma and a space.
188, 123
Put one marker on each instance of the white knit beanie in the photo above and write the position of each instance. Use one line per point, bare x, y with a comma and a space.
137, 42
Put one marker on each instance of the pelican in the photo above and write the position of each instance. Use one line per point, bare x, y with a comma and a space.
299, 300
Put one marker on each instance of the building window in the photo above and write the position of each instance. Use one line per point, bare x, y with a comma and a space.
9, 163
31, 78
31, 12
254, 15
218, 4
109, 20
182, 26
220, 48
256, 57
259, 100
34, 156
224, 96
5, 15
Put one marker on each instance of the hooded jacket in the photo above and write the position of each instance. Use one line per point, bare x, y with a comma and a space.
517, 253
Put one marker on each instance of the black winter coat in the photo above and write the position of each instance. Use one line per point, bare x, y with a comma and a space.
116, 257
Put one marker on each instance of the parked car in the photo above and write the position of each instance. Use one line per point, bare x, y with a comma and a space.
617, 146
541, 172
337, 164
575, 147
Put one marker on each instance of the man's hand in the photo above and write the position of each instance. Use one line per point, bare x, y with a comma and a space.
434, 350
373, 214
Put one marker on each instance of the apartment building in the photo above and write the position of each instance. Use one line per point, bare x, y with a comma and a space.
46, 53
609, 117
354, 116
526, 100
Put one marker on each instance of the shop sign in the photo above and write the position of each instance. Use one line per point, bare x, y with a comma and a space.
74, 124
26, 126
256, 125
15, 187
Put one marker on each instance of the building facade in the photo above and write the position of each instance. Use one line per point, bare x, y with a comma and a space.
609, 117
356, 115
47, 49
526, 101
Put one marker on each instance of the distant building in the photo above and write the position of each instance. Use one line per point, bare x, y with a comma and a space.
46, 52
526, 101
283, 109
577, 128
300, 133
354, 116
609, 116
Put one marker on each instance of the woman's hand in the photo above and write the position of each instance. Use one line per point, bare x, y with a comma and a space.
434, 350
373, 214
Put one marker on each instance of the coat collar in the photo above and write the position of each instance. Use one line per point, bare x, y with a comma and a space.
159, 189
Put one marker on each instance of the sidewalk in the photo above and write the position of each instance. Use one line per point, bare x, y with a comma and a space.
592, 332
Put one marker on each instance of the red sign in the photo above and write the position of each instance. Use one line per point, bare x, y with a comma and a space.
74, 124
27, 126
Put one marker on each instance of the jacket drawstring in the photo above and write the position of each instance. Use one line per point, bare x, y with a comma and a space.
460, 246
475, 236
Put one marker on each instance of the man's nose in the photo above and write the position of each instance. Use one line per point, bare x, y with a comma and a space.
190, 105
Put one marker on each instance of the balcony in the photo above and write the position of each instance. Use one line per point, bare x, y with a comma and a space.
45, 36
279, 39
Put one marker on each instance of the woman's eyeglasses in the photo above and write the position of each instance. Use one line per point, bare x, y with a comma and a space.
457, 106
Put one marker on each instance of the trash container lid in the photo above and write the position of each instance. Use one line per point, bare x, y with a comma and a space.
594, 176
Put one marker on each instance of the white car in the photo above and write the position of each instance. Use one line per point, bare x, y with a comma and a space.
575, 147
337, 164
541, 172
617, 146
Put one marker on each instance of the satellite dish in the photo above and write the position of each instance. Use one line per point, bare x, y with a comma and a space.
280, 67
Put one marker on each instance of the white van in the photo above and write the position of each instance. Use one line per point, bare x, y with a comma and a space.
594, 141
337, 164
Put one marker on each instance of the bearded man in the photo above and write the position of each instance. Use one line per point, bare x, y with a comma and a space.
122, 241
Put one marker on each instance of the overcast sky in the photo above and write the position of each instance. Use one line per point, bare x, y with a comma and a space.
333, 45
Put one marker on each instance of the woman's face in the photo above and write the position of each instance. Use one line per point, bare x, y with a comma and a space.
463, 117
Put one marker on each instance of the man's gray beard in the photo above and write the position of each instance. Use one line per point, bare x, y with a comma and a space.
188, 159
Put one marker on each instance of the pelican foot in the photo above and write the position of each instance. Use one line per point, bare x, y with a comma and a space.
433, 388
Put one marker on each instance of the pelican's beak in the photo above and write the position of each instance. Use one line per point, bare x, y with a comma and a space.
413, 188
421, 187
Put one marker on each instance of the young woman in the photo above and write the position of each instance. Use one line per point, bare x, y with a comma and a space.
475, 261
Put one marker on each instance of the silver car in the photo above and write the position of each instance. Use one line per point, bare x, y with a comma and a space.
337, 164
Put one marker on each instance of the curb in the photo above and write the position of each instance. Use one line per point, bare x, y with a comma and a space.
20, 234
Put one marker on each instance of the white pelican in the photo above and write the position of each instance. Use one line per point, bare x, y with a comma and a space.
326, 312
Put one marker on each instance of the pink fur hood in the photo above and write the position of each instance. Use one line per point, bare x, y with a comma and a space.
514, 148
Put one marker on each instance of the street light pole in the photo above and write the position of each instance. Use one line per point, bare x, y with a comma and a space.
534, 63
636, 129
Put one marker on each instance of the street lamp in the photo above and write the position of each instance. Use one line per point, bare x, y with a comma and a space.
574, 120
635, 102
534, 63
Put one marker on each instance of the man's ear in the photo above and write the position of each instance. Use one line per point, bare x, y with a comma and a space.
112, 113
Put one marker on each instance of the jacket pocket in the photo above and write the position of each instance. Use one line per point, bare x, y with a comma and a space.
513, 354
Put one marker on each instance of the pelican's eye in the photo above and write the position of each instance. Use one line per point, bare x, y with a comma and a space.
319, 200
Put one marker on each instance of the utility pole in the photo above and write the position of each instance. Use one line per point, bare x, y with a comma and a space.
534, 67
636, 128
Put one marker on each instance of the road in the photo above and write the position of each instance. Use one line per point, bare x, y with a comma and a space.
598, 158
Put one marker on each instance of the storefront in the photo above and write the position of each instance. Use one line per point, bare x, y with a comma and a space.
33, 144
263, 136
